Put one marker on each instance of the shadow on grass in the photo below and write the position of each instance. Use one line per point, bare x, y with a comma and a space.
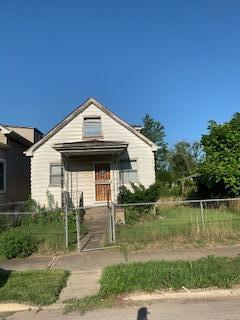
4, 275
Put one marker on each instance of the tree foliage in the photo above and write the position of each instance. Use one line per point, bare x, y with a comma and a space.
154, 131
184, 158
220, 169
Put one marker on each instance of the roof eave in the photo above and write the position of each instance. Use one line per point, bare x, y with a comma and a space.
5, 130
79, 110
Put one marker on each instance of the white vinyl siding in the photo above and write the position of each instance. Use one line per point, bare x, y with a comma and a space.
84, 178
92, 127
128, 171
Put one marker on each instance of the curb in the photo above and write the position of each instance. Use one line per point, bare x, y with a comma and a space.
16, 307
186, 294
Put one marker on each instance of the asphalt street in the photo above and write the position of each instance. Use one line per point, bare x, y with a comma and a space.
219, 309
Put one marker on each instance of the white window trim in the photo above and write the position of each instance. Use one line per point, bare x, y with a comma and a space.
55, 164
4, 175
83, 127
127, 170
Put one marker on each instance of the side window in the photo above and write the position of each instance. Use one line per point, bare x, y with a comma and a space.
128, 171
56, 174
2, 176
92, 127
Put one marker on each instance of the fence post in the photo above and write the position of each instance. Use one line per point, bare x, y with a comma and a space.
66, 220
202, 215
110, 232
113, 223
78, 229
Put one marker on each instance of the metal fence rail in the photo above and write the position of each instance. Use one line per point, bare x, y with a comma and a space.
46, 227
166, 224
161, 224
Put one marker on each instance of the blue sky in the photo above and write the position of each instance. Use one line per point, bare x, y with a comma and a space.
179, 61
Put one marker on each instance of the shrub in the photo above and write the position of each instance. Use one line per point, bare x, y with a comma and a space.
138, 193
17, 244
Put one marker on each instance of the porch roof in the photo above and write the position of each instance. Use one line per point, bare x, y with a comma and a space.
91, 147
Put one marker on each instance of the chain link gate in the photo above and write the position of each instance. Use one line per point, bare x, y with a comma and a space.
95, 227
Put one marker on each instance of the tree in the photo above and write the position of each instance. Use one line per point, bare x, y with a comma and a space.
154, 131
220, 168
184, 158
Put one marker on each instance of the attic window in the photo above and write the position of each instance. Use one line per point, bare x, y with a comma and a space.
92, 127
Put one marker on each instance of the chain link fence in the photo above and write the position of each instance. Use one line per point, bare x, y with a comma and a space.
45, 227
169, 224
95, 227
163, 224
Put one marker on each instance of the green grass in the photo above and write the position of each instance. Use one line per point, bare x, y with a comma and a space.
117, 280
90, 303
41, 287
47, 228
181, 225
207, 272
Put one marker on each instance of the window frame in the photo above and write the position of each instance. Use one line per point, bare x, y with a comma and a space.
55, 175
93, 136
4, 162
122, 171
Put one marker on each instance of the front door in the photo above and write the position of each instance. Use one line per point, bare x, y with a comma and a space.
102, 181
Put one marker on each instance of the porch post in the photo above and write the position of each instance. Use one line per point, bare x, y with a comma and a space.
113, 222
66, 203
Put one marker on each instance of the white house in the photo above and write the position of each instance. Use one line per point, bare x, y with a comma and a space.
93, 152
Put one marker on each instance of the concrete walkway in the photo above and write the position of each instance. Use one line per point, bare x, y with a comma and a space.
98, 260
95, 261
29, 263
80, 284
86, 267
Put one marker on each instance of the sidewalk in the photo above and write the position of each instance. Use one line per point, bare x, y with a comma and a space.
86, 267
95, 261
98, 260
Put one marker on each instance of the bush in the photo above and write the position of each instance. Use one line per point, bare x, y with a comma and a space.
17, 244
138, 193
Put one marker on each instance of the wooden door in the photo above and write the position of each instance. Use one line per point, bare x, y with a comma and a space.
102, 181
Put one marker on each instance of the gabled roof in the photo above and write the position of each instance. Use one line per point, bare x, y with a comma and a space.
79, 110
10, 126
4, 130
14, 135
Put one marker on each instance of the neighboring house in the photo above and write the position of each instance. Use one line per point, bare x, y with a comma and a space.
92, 151
14, 164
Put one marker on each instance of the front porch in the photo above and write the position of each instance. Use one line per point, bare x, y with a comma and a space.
91, 169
